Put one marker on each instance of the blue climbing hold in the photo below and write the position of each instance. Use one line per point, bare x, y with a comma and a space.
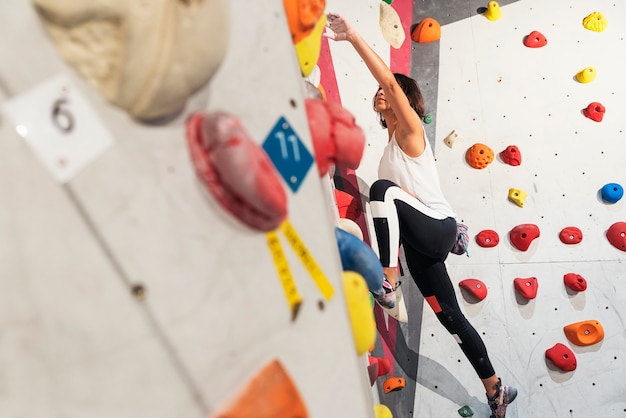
359, 257
612, 192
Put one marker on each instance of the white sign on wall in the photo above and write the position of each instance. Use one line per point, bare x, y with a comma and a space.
60, 126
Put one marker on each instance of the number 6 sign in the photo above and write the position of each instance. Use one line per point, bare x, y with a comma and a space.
59, 125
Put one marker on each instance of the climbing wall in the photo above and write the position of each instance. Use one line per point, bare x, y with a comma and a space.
494, 90
126, 290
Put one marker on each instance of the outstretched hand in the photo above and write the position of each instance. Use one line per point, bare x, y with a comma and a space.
341, 29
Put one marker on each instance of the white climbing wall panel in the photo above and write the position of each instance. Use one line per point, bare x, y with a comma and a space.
496, 91
75, 342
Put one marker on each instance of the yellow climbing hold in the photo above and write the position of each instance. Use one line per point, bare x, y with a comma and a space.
382, 411
517, 196
308, 49
586, 75
360, 311
595, 22
493, 11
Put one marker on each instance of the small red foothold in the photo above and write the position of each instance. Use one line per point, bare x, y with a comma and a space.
616, 235
571, 235
595, 111
535, 40
576, 282
487, 238
562, 357
527, 287
522, 235
475, 287
511, 155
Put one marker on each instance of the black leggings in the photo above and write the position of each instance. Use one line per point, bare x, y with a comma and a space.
427, 238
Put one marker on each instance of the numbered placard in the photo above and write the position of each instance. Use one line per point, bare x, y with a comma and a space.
60, 126
289, 155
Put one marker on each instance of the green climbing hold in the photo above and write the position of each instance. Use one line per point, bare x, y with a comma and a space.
388, 1
428, 119
466, 411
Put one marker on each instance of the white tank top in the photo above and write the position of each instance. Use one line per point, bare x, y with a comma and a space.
417, 175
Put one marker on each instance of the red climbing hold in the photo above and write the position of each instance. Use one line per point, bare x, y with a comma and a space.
511, 155
235, 170
522, 235
475, 287
535, 40
595, 111
562, 357
616, 235
571, 235
487, 238
336, 136
574, 281
527, 287
378, 366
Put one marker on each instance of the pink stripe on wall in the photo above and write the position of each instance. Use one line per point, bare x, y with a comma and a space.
400, 59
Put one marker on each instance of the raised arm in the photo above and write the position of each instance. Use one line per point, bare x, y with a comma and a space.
409, 131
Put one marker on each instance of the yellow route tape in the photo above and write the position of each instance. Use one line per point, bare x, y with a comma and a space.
307, 260
284, 273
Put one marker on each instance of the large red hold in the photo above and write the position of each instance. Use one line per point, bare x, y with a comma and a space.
487, 238
574, 281
616, 235
562, 357
527, 287
522, 235
571, 235
337, 139
475, 287
236, 171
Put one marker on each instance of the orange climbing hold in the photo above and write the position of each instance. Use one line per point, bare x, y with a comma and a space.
428, 30
479, 156
527, 287
393, 384
302, 15
475, 287
585, 332
269, 394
